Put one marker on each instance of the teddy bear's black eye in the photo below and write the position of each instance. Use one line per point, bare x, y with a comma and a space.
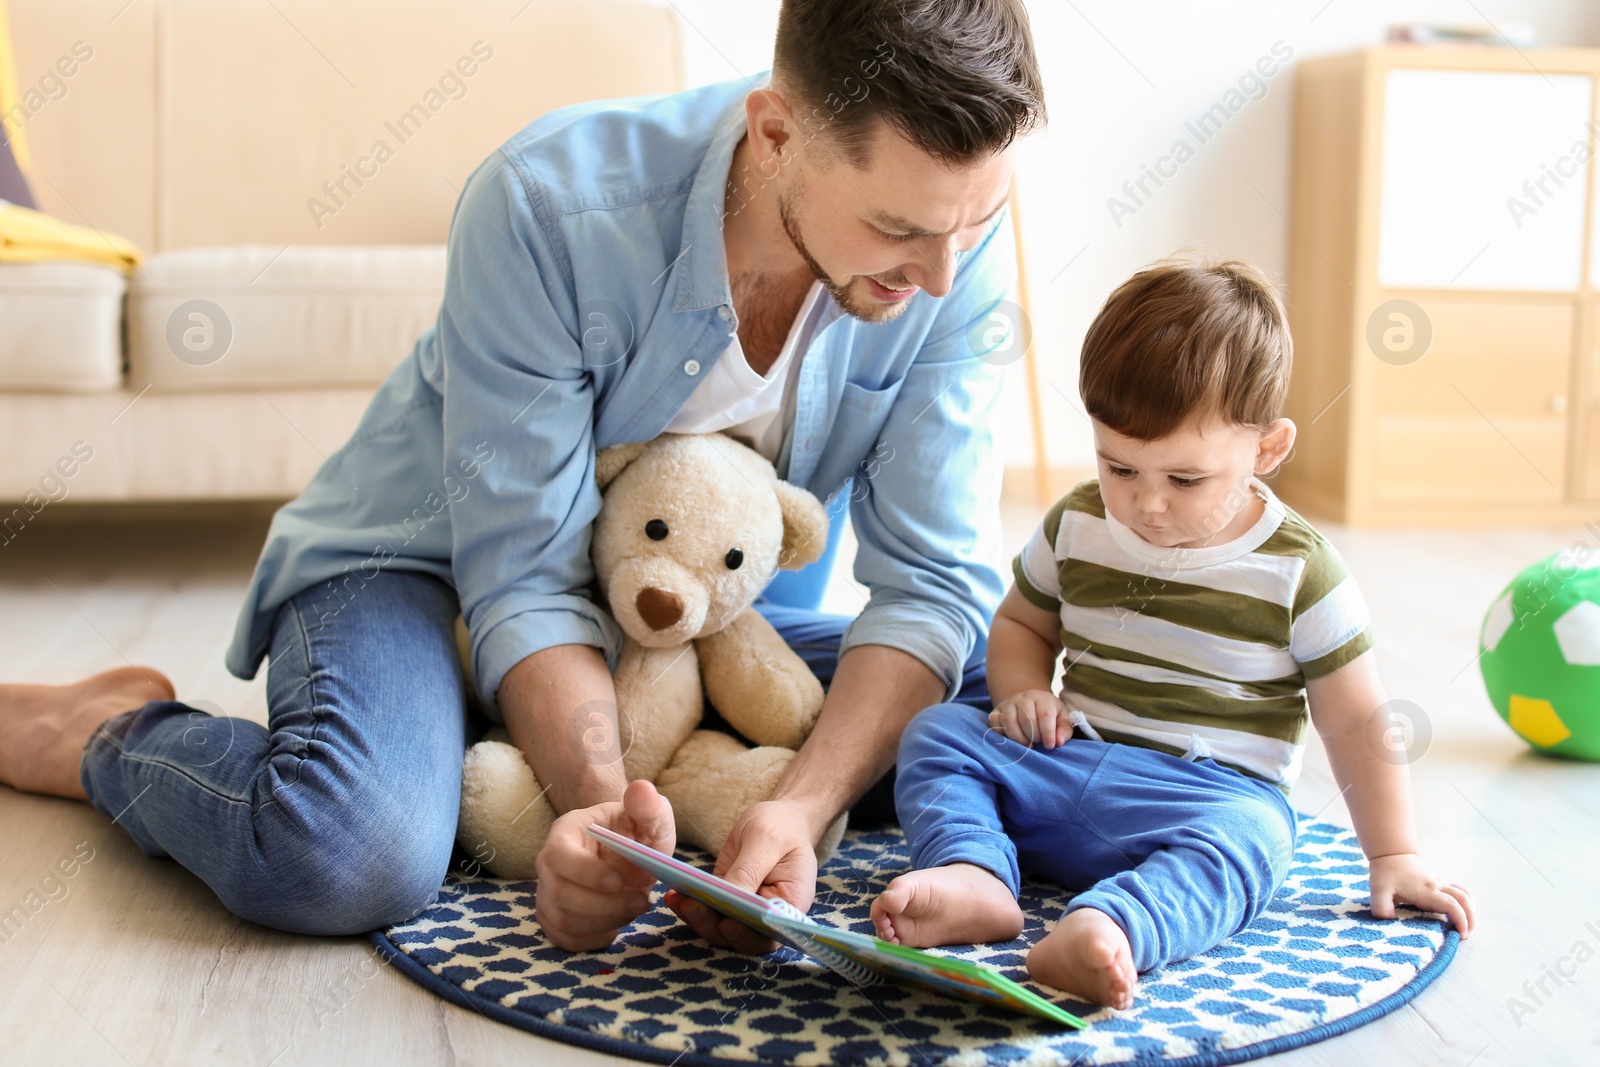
656, 530
733, 559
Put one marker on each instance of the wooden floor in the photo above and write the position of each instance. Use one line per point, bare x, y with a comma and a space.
133, 961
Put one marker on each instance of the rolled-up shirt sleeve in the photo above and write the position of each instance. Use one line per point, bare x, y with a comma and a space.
926, 503
519, 413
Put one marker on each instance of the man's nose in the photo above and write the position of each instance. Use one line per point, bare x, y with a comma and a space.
934, 270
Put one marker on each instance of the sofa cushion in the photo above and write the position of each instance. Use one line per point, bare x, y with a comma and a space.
154, 445
60, 327
253, 316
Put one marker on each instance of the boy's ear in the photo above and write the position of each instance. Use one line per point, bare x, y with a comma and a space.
1276, 444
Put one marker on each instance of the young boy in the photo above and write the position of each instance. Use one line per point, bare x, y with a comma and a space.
1200, 617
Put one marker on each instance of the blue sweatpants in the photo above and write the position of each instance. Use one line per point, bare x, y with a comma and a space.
1181, 854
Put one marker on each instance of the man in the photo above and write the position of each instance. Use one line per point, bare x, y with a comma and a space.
803, 260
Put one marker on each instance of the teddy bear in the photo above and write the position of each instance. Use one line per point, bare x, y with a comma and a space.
691, 528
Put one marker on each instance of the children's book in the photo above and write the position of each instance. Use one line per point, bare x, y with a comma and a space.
859, 958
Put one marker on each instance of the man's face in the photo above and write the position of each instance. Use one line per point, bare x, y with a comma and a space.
876, 235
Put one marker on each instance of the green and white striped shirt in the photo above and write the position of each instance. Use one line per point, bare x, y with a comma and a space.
1195, 651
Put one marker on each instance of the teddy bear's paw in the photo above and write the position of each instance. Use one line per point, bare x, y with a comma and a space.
831, 838
659, 702
712, 779
505, 817
783, 714
760, 685
703, 750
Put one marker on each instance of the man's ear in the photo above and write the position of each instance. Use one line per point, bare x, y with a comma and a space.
1276, 444
610, 462
805, 526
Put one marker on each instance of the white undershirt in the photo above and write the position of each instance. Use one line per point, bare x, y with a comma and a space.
733, 398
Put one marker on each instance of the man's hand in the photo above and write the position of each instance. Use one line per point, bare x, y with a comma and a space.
587, 893
1404, 878
1033, 715
772, 849
769, 851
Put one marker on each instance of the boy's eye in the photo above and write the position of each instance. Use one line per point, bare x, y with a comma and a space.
1186, 483
1120, 472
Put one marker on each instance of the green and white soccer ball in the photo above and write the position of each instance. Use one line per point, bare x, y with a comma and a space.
1540, 655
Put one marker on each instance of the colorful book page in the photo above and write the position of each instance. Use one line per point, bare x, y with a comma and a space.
858, 957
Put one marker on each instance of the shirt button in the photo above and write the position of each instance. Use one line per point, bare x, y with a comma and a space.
692, 367
725, 312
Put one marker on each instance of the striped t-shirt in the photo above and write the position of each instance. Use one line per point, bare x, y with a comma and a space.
1195, 651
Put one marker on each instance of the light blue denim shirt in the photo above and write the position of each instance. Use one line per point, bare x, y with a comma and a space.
586, 295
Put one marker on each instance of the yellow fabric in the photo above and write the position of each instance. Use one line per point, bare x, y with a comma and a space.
8, 89
28, 236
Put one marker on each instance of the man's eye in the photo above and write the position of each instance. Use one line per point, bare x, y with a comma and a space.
1186, 483
895, 236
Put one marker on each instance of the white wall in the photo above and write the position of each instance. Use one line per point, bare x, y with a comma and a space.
1121, 81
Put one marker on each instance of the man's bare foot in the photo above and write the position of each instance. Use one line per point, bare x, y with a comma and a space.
1088, 956
43, 728
958, 904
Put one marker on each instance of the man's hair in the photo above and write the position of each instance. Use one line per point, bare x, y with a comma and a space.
956, 78
1182, 339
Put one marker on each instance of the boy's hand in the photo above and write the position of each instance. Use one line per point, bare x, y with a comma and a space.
1403, 878
1033, 715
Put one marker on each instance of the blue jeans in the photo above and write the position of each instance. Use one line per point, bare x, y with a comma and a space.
340, 815
1182, 854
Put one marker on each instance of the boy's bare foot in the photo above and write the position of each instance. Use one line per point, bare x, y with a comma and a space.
43, 728
1088, 956
959, 904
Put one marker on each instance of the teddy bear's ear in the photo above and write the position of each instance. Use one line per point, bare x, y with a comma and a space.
805, 526
609, 462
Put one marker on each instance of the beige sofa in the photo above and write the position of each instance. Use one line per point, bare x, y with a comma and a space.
291, 169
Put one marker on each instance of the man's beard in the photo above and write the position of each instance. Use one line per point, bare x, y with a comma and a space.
868, 309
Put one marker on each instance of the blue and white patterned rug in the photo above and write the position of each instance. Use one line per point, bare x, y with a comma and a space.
1315, 964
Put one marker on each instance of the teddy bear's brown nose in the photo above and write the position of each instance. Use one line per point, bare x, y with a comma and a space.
659, 609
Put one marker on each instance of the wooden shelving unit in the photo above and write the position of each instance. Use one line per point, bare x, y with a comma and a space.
1443, 221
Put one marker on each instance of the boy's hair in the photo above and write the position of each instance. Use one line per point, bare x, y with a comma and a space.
956, 78
1182, 339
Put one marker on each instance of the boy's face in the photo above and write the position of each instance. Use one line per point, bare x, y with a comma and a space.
1190, 488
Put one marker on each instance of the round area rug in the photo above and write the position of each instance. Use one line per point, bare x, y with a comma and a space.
1315, 964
